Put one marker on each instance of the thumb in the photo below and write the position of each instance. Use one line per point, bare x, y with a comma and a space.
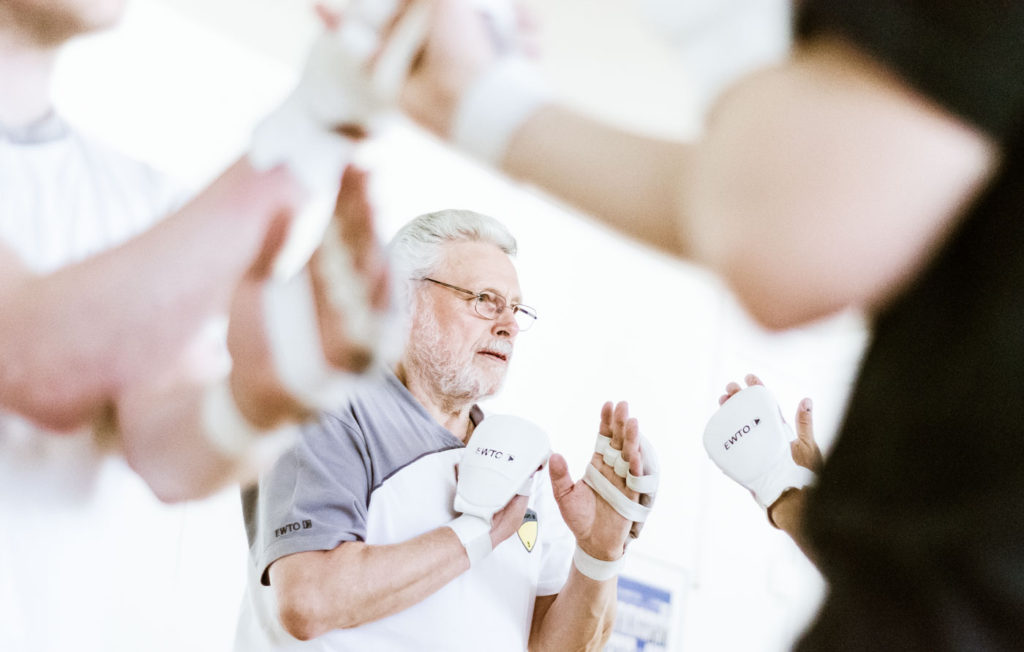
561, 481
273, 242
805, 422
805, 450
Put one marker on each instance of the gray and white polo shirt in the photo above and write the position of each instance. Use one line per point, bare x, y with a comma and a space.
383, 471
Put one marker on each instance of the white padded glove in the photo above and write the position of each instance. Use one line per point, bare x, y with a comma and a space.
499, 462
749, 441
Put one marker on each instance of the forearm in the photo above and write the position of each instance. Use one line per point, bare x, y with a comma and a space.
787, 513
72, 340
797, 171
569, 155
168, 446
358, 583
580, 618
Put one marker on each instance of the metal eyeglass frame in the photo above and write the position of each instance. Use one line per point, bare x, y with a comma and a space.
524, 315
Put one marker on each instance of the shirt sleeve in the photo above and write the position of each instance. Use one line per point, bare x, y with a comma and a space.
966, 56
315, 497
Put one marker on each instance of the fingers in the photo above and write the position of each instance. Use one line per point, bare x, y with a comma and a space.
619, 417
606, 419
631, 448
805, 422
328, 17
625, 438
353, 217
517, 504
605, 429
561, 481
805, 450
730, 390
353, 211
273, 242
733, 387
403, 37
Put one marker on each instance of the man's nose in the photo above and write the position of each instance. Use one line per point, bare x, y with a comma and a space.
505, 323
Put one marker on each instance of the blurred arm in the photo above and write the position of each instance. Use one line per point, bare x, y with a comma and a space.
73, 340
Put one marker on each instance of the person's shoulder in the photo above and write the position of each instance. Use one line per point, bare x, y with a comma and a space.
134, 176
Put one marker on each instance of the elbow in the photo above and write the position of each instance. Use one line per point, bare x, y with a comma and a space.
775, 286
170, 493
302, 615
169, 481
300, 623
781, 301
165, 487
52, 404
768, 310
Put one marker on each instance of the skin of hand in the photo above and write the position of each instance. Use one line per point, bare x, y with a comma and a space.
259, 395
355, 214
507, 520
600, 531
459, 47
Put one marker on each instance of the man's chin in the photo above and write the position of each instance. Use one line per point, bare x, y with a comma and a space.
489, 386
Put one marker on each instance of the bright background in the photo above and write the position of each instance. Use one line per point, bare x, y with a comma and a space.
180, 84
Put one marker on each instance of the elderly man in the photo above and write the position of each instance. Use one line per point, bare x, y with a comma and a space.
353, 537
878, 167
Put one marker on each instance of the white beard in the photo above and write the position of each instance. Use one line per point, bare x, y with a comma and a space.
430, 351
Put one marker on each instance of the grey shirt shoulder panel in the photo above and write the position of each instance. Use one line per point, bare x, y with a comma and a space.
316, 496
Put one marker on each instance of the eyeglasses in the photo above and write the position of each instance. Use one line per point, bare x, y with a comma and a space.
490, 305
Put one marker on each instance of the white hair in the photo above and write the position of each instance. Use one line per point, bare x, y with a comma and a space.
417, 250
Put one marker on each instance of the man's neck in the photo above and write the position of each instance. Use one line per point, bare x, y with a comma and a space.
26, 70
450, 413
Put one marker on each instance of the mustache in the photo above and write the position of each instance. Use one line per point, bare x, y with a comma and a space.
504, 347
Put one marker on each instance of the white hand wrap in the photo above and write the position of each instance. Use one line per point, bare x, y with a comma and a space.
646, 485
749, 441
227, 429
499, 461
495, 106
503, 97
338, 88
594, 568
293, 336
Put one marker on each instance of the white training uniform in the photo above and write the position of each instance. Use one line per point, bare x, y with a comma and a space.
84, 545
382, 471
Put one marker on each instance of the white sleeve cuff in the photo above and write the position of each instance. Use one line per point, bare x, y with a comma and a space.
495, 106
232, 435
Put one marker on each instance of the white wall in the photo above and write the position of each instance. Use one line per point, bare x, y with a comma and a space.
618, 321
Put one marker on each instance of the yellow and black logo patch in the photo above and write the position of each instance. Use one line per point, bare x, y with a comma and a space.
528, 530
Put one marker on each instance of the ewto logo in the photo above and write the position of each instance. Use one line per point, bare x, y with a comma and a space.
293, 527
528, 530
745, 430
495, 453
